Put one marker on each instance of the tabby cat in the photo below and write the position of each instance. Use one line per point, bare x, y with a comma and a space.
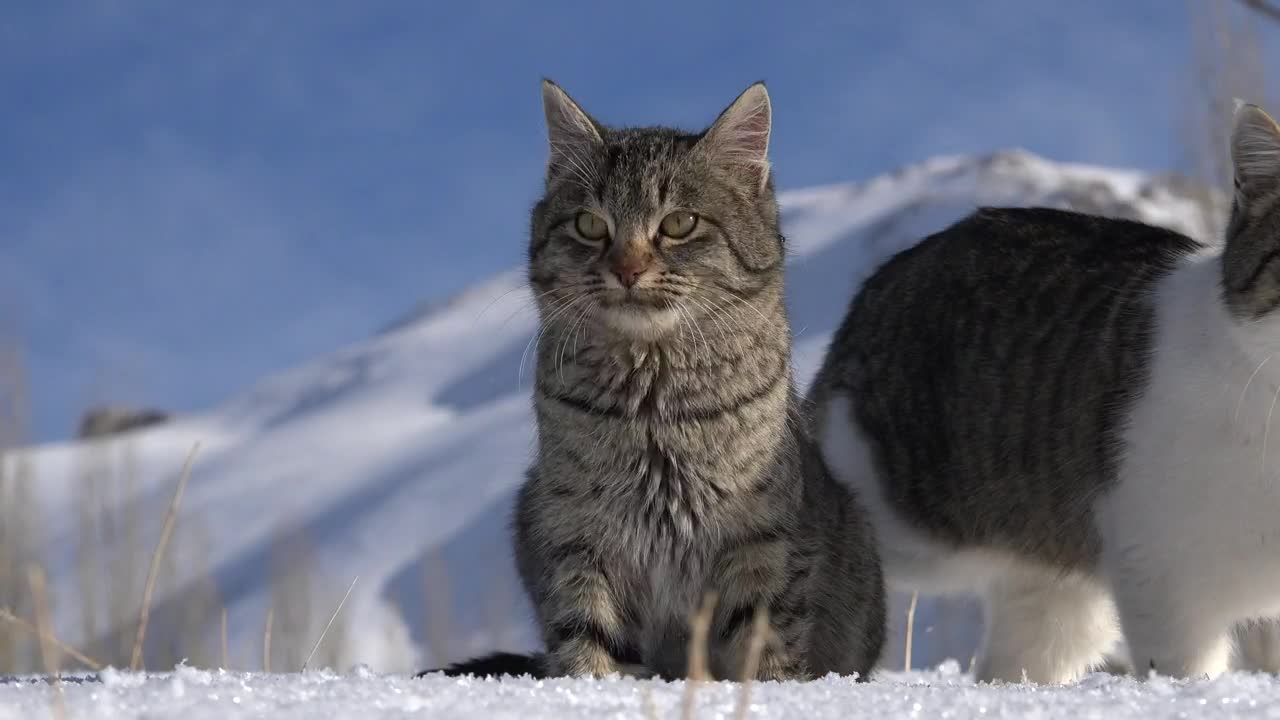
1072, 417
672, 456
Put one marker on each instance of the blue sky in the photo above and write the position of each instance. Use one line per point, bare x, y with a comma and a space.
193, 195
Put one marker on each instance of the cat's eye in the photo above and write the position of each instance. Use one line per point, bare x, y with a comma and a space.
591, 226
678, 225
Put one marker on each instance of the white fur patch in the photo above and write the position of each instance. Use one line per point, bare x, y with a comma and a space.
1192, 530
647, 324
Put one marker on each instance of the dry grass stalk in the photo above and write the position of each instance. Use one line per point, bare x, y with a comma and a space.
21, 526
699, 642
332, 617
48, 650
755, 651
699, 637
166, 531
436, 594
911, 626
500, 607
7, 615
225, 664
294, 596
266, 641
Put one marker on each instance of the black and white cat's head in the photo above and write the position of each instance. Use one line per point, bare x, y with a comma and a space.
1251, 260
646, 228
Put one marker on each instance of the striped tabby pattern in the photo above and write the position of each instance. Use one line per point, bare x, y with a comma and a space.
991, 367
672, 458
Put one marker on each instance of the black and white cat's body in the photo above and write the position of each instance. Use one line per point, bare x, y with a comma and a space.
1072, 417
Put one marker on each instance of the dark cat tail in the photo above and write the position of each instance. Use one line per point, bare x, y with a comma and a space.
495, 665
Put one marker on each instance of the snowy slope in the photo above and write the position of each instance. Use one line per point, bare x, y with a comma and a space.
399, 455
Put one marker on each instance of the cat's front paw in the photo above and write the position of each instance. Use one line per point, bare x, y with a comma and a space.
583, 662
776, 666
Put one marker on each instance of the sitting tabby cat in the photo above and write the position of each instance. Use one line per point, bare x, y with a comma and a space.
1072, 416
672, 458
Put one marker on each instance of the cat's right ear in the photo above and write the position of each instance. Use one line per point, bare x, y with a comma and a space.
571, 132
739, 138
1255, 152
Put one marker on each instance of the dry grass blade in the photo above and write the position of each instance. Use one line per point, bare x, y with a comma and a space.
7, 615
435, 577
911, 626
699, 642
225, 664
755, 651
332, 617
266, 641
166, 531
48, 649
699, 637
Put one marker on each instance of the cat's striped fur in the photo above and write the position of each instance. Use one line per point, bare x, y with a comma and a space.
993, 365
672, 455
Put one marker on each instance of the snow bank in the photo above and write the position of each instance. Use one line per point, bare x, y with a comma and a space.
946, 693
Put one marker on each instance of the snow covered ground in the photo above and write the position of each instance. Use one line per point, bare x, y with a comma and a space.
398, 457
945, 693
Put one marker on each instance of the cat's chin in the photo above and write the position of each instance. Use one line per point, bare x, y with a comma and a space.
640, 322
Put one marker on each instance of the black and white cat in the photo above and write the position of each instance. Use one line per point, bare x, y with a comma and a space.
1076, 418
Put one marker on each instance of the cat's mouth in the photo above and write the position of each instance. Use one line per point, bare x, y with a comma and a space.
636, 299
640, 315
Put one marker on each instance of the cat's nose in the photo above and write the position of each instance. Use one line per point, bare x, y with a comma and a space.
628, 271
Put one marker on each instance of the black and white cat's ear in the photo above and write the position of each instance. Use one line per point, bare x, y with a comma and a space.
739, 138
1255, 151
571, 132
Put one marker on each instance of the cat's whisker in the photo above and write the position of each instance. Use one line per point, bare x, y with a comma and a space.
686, 330
711, 312
546, 323
687, 318
533, 339
495, 300
735, 299
575, 161
732, 325
1240, 402
586, 319
551, 323
563, 341
1266, 429
532, 303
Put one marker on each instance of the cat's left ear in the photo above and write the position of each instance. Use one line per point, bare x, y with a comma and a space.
571, 132
739, 138
1255, 152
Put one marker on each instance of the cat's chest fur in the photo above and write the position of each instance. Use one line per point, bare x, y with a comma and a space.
652, 477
